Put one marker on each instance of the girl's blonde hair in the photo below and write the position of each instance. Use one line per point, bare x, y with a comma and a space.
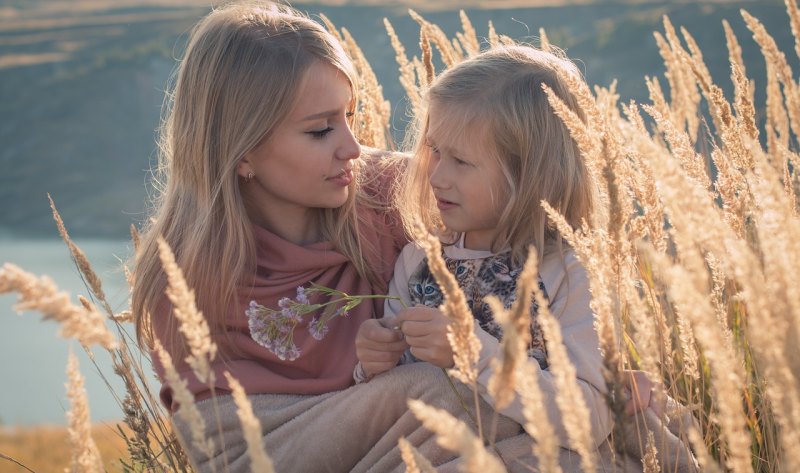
240, 77
495, 101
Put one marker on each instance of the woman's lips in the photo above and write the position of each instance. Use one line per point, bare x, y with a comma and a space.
343, 179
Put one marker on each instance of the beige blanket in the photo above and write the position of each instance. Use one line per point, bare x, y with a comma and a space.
356, 430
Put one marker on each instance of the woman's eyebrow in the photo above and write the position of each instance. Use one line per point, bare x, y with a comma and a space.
325, 114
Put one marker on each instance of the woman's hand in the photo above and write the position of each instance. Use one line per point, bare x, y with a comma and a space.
379, 346
425, 330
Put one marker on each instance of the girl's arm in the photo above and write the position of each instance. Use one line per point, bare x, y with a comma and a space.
380, 347
567, 285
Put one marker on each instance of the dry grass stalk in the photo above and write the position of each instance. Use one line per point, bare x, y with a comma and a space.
187, 410
251, 428
135, 416
494, 39
644, 188
688, 291
731, 186
41, 294
587, 140
650, 460
469, 38
438, 38
372, 122
574, 411
743, 103
81, 261
718, 297
545, 447
456, 436
375, 112
515, 323
544, 41
460, 332
682, 87
407, 76
778, 231
193, 325
681, 147
777, 59
734, 49
794, 20
136, 237
415, 461
729, 129
777, 124
85, 456
427, 57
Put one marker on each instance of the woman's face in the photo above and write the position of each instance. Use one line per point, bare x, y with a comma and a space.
307, 161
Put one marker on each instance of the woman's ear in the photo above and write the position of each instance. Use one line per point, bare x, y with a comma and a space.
243, 168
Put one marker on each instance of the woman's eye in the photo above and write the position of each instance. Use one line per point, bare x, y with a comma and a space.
459, 161
320, 133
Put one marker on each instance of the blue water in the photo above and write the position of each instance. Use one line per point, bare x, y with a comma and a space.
32, 355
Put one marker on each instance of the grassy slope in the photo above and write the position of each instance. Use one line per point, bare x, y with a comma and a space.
81, 88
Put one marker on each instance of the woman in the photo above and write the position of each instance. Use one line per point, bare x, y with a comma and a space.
264, 189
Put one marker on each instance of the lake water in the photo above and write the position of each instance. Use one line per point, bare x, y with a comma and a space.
33, 358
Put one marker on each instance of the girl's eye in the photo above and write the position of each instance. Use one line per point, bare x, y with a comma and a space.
434, 150
460, 162
320, 133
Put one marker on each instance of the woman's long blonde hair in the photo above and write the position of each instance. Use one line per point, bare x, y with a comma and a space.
239, 78
495, 101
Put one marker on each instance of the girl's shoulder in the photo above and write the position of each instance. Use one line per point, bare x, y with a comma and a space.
561, 268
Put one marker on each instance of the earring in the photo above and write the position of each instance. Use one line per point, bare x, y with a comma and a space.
250, 176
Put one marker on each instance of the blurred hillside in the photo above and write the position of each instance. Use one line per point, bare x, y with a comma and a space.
82, 82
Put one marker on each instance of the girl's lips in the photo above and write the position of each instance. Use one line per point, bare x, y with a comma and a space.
343, 179
445, 204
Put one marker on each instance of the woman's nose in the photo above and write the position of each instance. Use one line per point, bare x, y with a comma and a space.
349, 148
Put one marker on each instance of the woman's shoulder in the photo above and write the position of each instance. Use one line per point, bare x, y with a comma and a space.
381, 170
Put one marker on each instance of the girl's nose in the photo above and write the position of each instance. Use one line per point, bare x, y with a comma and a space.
437, 176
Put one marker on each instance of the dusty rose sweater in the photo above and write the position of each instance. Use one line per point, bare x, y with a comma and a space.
325, 365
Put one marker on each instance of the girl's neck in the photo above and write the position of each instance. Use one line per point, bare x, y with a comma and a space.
477, 240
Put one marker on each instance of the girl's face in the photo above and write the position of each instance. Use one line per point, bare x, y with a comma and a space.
468, 184
307, 161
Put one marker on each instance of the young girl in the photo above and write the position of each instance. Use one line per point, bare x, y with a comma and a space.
489, 151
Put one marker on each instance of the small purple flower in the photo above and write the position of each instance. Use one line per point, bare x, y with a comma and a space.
252, 310
301, 295
317, 329
284, 302
340, 312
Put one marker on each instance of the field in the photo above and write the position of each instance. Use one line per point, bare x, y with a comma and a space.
691, 255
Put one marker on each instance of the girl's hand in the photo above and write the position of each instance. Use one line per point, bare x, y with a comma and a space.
379, 346
425, 330
642, 392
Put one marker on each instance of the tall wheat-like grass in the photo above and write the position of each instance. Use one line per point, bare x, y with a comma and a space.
415, 462
691, 256
454, 435
259, 460
85, 456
